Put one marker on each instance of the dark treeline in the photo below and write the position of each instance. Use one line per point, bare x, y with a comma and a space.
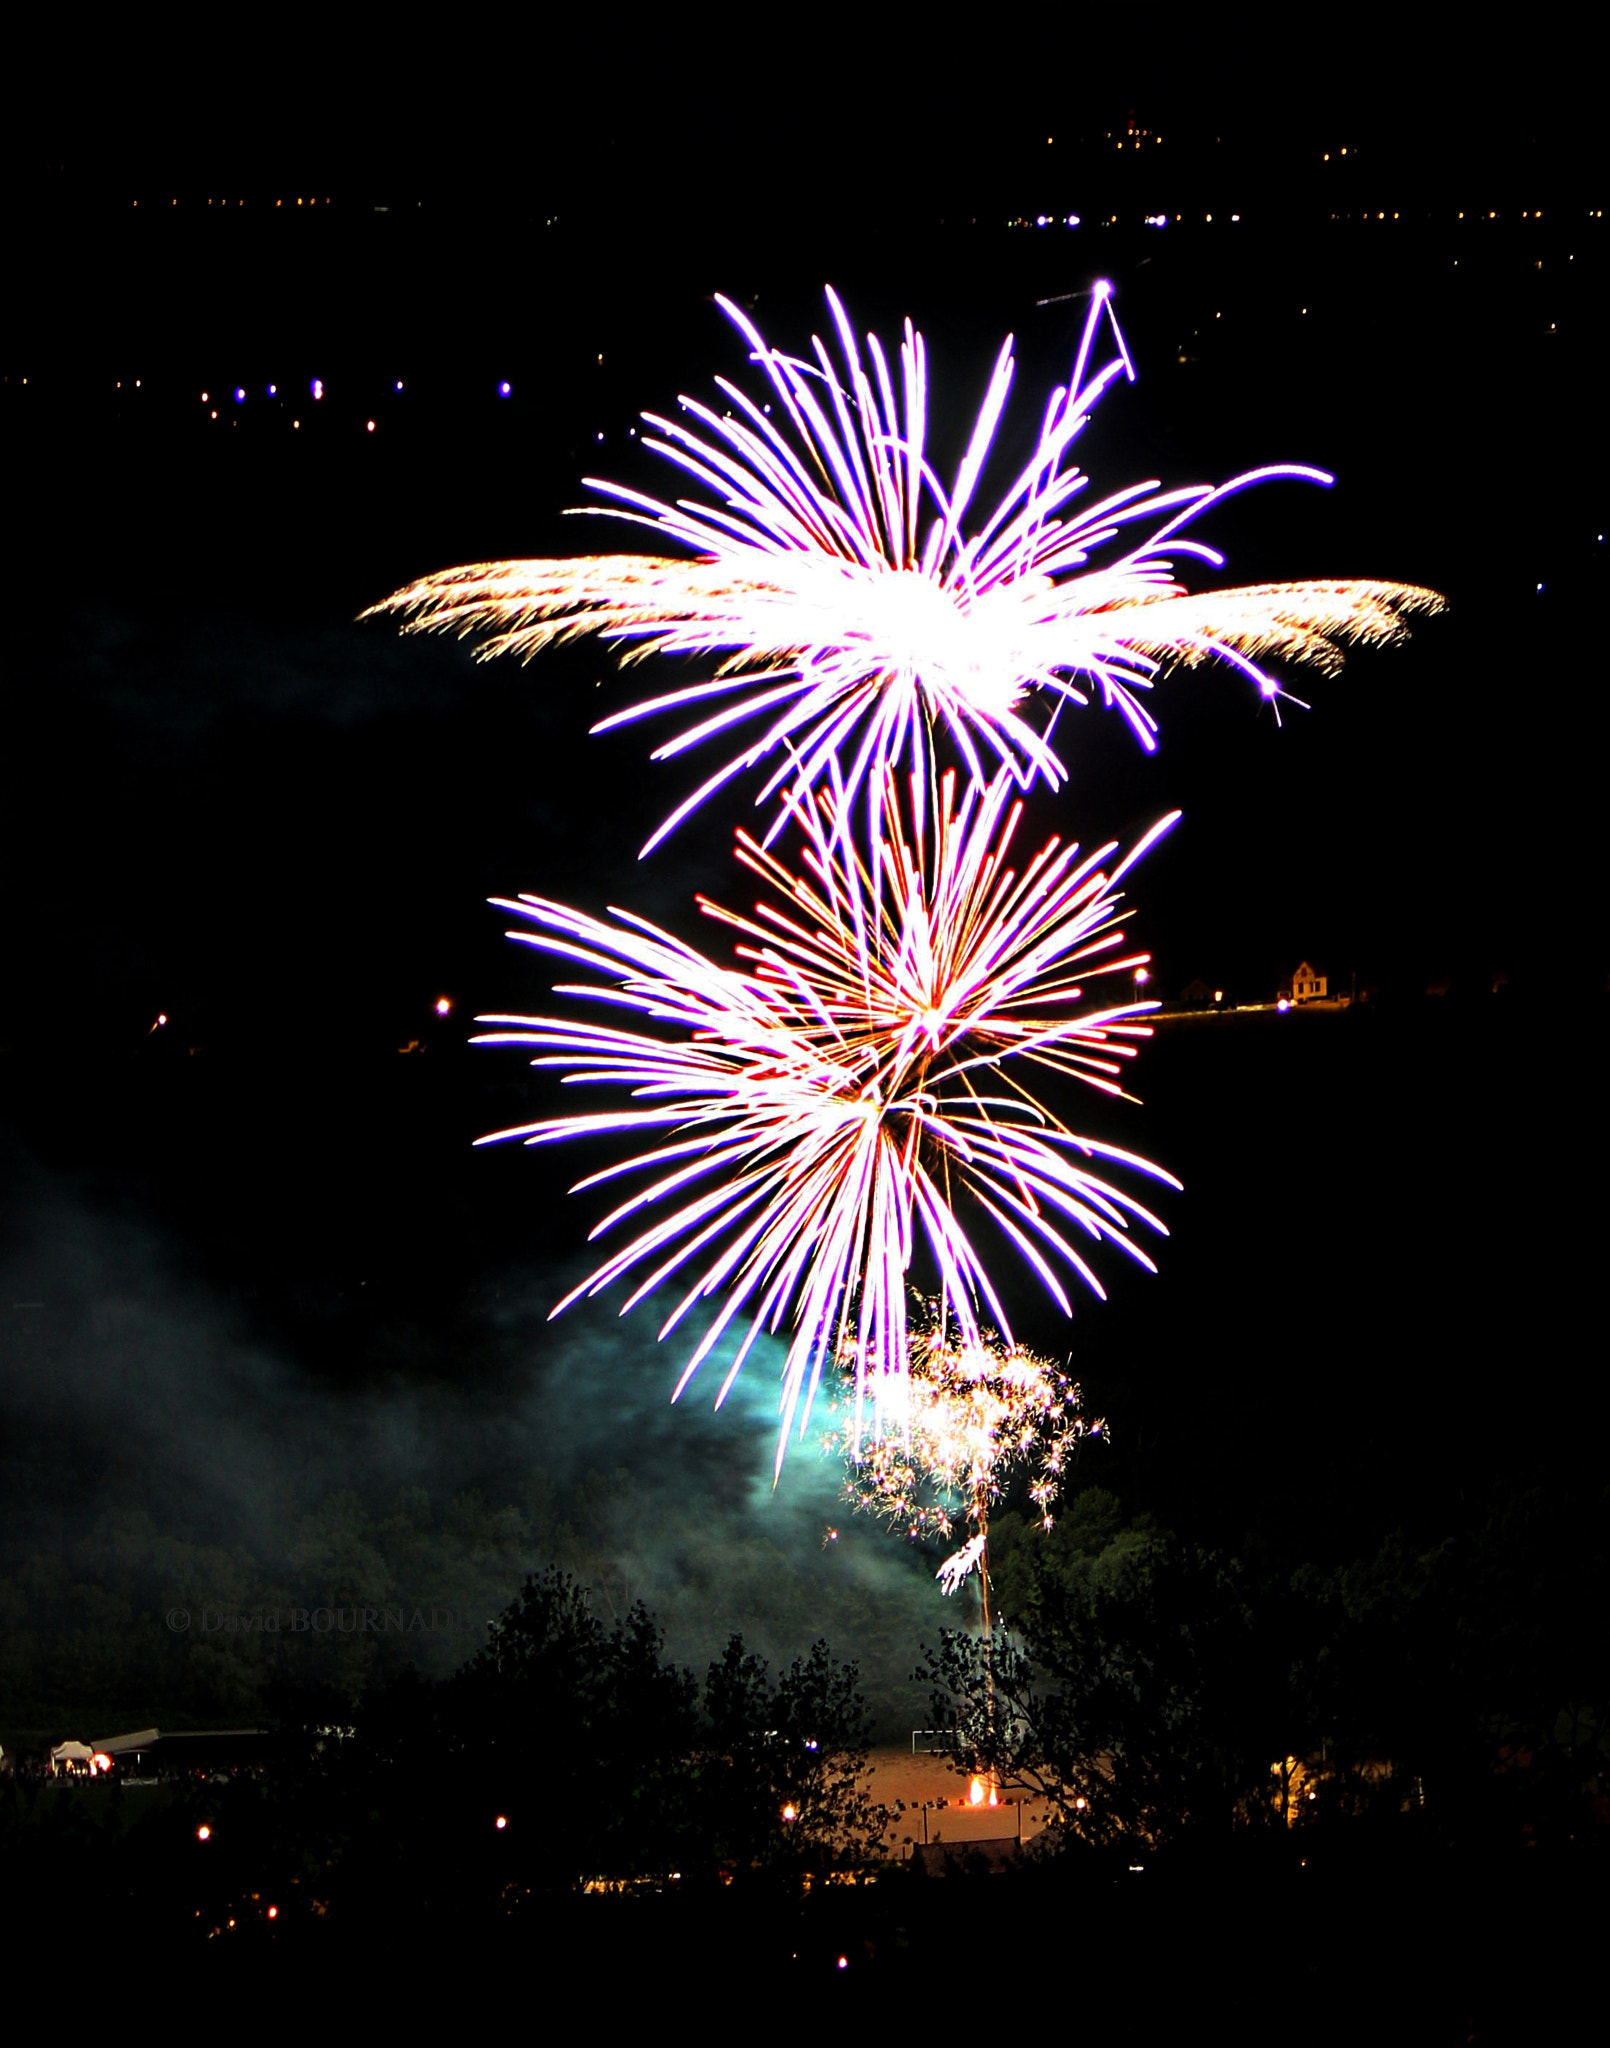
1450, 1696
568, 1756
1357, 1770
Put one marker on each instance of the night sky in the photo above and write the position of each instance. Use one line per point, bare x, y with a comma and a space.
270, 1265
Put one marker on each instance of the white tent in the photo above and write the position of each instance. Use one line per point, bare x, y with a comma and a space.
70, 1753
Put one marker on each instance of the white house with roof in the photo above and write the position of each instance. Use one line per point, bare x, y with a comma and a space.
1307, 984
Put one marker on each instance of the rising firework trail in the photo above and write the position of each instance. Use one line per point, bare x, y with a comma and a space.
848, 599
799, 1119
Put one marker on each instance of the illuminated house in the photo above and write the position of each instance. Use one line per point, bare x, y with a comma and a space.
1307, 985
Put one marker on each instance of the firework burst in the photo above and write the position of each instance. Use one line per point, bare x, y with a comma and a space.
850, 600
967, 1419
812, 1111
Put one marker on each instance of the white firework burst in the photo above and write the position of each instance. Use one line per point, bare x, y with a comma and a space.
846, 599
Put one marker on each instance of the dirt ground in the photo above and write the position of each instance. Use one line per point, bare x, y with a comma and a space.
925, 1786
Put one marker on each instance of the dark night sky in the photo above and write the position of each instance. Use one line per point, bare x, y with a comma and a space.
225, 800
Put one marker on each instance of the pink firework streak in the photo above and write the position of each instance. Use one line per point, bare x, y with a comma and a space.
811, 1108
848, 598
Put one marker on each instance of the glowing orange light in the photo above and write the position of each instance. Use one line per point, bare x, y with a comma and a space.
501, 1822
442, 1006
790, 1811
1079, 1805
204, 1833
975, 1792
273, 1912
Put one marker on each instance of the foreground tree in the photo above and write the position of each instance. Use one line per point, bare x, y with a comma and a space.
1143, 1693
780, 1767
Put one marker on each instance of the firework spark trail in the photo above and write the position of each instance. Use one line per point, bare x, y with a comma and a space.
813, 1109
968, 1417
849, 606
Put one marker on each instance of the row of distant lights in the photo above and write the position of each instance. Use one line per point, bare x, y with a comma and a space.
316, 389
1161, 220
1594, 213
1073, 220
241, 202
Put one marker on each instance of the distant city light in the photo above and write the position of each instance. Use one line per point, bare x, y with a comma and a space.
398, 385
1073, 220
273, 391
368, 426
204, 1833
240, 394
317, 387
504, 389
443, 1006
501, 1822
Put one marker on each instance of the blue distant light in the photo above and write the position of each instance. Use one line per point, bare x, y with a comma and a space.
240, 394
273, 391
504, 389
317, 387
398, 385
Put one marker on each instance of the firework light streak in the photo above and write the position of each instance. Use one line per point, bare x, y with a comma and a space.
847, 600
952, 1574
967, 1417
812, 1112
